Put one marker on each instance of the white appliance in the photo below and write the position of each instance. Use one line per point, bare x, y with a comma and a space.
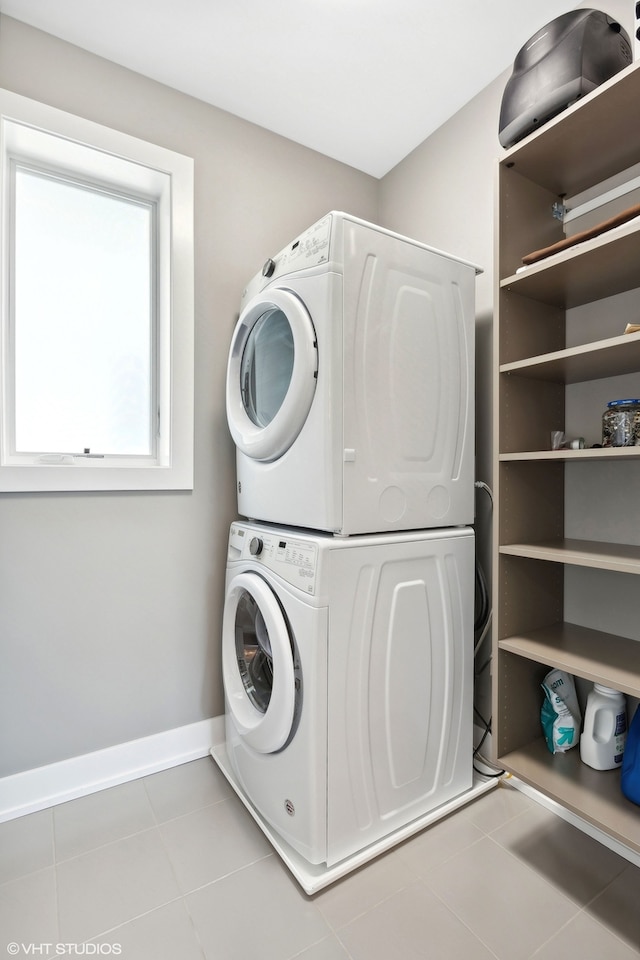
350, 384
347, 666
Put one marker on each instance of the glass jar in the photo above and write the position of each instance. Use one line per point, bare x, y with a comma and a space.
621, 424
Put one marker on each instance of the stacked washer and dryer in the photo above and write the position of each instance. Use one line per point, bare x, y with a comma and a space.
347, 639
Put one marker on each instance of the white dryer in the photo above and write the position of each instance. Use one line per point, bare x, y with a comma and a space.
350, 384
347, 666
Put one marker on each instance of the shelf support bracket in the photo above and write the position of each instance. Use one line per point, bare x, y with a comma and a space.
559, 211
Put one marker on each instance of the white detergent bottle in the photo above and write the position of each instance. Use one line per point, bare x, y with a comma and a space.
605, 729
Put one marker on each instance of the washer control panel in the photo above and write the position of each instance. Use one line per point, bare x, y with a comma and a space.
291, 558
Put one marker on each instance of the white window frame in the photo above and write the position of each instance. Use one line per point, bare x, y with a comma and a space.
50, 139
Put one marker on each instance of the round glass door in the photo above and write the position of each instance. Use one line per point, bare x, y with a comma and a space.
257, 664
267, 366
253, 652
271, 374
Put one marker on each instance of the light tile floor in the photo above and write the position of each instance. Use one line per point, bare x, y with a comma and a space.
171, 867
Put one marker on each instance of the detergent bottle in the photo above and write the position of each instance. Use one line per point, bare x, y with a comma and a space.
605, 729
631, 761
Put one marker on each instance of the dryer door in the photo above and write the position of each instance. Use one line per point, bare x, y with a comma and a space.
271, 374
258, 664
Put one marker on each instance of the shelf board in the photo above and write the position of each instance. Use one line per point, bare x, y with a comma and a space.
589, 453
589, 361
592, 654
623, 558
567, 154
593, 795
596, 268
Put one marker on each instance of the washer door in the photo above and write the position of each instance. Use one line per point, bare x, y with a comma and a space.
258, 664
271, 374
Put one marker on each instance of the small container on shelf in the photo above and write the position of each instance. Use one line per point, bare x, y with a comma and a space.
621, 423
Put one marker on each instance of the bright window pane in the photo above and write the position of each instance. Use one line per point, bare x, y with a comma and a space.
83, 319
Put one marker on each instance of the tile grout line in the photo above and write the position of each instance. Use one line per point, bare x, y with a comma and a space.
104, 846
533, 872
301, 953
157, 824
138, 916
162, 823
373, 906
461, 920
609, 930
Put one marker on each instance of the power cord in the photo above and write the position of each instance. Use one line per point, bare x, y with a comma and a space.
495, 774
483, 617
484, 612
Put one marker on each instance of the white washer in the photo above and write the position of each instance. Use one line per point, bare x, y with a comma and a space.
347, 666
350, 384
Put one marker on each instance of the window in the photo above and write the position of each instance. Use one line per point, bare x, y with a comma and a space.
97, 306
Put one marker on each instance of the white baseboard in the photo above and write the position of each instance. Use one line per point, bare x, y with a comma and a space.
42, 787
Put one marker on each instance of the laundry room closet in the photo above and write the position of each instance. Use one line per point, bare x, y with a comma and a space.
143, 575
324, 641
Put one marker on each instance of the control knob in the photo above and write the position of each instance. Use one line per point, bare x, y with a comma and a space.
268, 268
255, 546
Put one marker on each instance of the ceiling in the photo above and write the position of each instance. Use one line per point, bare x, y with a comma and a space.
362, 81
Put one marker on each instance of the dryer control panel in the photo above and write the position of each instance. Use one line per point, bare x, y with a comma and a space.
310, 249
307, 250
291, 558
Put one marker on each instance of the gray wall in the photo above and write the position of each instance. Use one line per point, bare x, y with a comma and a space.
110, 605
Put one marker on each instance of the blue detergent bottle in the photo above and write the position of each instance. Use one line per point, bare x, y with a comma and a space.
631, 761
